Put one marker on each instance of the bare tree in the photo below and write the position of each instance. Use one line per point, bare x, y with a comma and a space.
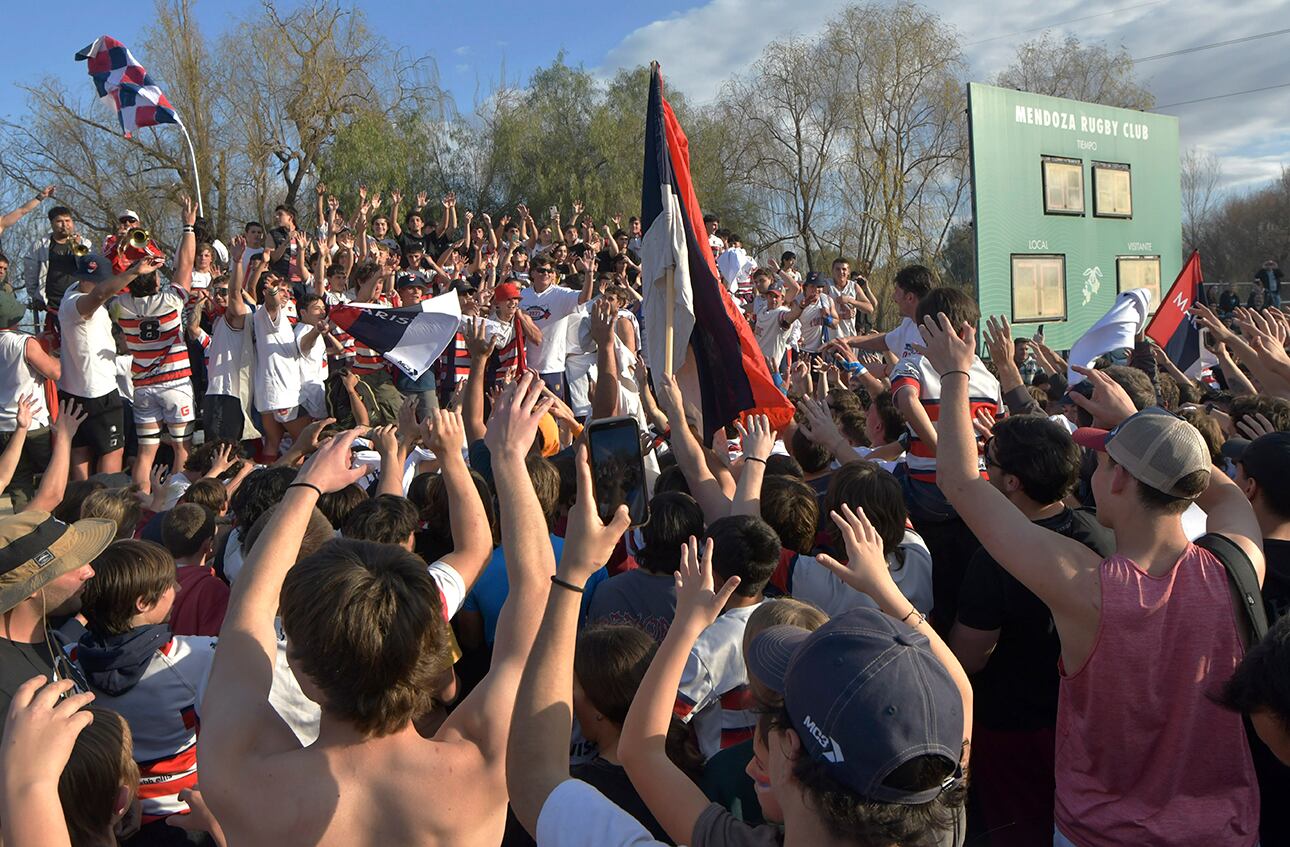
786, 117
1093, 73
1201, 174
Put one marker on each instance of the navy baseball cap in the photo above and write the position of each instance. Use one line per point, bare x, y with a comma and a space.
93, 267
1266, 459
865, 696
816, 278
411, 279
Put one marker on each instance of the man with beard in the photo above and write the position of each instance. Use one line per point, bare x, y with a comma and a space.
44, 563
152, 319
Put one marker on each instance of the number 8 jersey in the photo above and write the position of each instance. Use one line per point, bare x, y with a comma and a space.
154, 333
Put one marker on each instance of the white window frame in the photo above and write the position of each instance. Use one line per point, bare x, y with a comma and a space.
1106, 169
1063, 168
1035, 264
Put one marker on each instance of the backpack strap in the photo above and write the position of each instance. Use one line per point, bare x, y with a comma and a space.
1244, 582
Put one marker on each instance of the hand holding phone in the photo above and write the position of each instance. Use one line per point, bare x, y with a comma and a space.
618, 468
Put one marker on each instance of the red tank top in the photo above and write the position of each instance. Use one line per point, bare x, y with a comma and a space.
1144, 756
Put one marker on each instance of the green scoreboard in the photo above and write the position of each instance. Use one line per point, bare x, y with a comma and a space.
1072, 203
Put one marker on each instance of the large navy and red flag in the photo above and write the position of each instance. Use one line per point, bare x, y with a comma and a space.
732, 375
125, 83
410, 338
1173, 327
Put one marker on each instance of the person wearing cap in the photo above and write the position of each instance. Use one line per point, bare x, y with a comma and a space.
50, 268
44, 564
815, 312
547, 306
1148, 636
126, 221
24, 369
411, 287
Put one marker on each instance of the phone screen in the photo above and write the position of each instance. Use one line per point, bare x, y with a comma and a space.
618, 468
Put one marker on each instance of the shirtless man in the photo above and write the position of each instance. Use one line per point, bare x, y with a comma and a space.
370, 778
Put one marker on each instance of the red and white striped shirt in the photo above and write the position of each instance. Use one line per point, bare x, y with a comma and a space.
916, 373
154, 333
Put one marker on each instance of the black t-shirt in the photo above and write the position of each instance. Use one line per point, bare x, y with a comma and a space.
59, 276
18, 663
408, 241
1228, 301
1017, 689
1276, 582
282, 267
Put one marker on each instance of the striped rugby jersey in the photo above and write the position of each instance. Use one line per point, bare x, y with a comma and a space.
915, 372
154, 333
714, 691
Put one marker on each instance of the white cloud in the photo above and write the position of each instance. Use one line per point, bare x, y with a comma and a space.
703, 46
463, 50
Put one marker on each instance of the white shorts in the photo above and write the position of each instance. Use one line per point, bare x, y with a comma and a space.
170, 402
313, 399
285, 415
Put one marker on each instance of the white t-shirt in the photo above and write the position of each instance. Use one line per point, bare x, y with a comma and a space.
817, 584
225, 358
772, 336
902, 339
548, 311
277, 374
812, 321
18, 378
846, 314
89, 350
576, 814
125, 376
313, 362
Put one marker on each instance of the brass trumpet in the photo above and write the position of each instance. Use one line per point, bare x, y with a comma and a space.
138, 237
80, 248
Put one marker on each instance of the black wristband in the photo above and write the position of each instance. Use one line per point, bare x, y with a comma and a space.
306, 485
948, 373
754, 459
565, 584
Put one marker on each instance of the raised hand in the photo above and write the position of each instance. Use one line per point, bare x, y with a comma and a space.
1109, 405
329, 469
515, 418
866, 566
603, 318
224, 458
697, 603
998, 339
320, 189
444, 432
479, 341
421, 199
396, 196
237, 249
46, 192
1252, 426
70, 418
385, 439
189, 209
26, 405
577, 207
756, 437
43, 723
150, 264
946, 347
311, 434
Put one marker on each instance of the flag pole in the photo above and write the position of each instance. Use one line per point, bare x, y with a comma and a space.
197, 178
669, 328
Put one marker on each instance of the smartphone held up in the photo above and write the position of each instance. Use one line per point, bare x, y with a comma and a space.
618, 468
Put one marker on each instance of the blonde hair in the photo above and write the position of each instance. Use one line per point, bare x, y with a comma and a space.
120, 505
782, 611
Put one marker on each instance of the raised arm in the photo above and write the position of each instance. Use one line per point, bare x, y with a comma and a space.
111, 287
17, 214
537, 758
43, 723
867, 571
472, 540
235, 314
53, 484
714, 501
183, 276
757, 440
484, 717
239, 727
1060, 571
13, 450
674, 800
604, 399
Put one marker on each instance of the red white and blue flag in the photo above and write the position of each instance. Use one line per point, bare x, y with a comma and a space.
1173, 327
731, 372
125, 83
410, 338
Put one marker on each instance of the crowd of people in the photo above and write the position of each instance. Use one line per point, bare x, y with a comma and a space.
259, 586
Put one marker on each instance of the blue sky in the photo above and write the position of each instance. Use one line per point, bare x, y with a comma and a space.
703, 41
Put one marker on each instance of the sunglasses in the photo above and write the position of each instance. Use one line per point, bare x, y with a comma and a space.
220, 292
542, 270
